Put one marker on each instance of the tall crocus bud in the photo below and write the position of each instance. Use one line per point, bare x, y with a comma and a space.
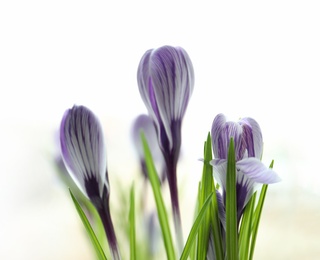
145, 123
166, 81
248, 145
84, 154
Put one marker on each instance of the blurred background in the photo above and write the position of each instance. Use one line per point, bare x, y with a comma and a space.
251, 59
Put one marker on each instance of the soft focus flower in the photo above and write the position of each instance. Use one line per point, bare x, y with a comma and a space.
145, 123
153, 233
83, 151
166, 81
248, 146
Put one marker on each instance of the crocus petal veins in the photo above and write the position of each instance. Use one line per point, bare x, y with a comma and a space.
166, 81
83, 150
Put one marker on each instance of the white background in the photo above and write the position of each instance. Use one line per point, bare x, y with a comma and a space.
251, 58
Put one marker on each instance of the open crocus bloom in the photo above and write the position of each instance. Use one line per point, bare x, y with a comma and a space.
83, 151
248, 145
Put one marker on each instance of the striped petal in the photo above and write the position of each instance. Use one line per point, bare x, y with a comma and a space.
221, 132
166, 81
83, 150
256, 171
252, 136
251, 173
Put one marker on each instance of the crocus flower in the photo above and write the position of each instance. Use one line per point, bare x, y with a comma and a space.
145, 123
166, 80
248, 144
84, 154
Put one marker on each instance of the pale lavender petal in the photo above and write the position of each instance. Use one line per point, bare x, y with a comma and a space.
253, 137
234, 130
219, 148
251, 173
153, 231
221, 133
256, 171
82, 148
145, 123
220, 171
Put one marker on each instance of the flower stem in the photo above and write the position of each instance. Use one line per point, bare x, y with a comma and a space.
104, 213
172, 181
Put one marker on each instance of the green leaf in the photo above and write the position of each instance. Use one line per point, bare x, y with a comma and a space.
162, 213
231, 206
212, 221
246, 229
193, 253
133, 253
194, 229
257, 215
86, 223
205, 190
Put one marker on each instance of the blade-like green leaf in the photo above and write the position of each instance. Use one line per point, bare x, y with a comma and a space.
205, 189
133, 253
246, 229
231, 206
93, 238
194, 229
257, 216
193, 252
162, 213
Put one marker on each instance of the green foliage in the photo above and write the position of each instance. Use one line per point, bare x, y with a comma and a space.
133, 253
237, 241
231, 206
195, 227
98, 249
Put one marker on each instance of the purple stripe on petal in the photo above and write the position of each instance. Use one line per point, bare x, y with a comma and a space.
252, 136
234, 130
82, 147
255, 170
219, 147
166, 79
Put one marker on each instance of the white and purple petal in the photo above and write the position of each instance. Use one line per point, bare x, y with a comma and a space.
219, 146
83, 150
251, 173
252, 136
254, 169
220, 171
166, 81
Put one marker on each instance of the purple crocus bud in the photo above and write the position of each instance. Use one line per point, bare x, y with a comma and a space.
83, 151
166, 81
84, 154
145, 123
248, 145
